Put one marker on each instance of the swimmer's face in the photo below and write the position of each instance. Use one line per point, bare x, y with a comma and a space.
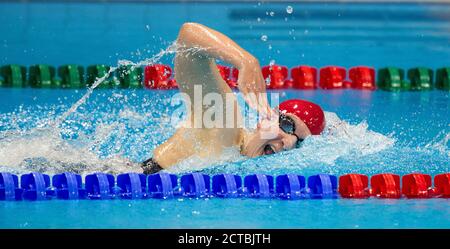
270, 139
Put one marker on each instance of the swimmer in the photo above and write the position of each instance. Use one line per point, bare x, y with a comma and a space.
289, 125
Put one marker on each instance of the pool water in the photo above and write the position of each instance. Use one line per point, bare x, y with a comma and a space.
227, 213
367, 132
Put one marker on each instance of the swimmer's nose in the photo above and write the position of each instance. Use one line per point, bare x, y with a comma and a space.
289, 142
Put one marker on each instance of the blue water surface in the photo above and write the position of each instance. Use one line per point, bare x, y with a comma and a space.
131, 123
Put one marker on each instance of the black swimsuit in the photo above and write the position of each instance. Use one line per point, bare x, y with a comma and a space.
150, 166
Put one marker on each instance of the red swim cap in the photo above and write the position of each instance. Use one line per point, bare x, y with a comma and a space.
310, 113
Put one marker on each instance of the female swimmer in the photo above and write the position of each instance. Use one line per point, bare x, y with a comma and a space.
196, 67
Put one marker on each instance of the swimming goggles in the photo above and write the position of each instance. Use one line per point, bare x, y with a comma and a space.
287, 124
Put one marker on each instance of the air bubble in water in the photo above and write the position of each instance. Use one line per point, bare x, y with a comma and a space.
289, 9
264, 38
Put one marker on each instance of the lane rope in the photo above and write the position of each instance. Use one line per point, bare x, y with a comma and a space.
159, 76
69, 186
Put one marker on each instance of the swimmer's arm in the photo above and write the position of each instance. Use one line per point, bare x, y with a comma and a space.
174, 150
215, 45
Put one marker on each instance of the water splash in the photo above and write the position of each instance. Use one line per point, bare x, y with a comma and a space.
39, 151
440, 143
128, 125
42, 147
340, 140
172, 48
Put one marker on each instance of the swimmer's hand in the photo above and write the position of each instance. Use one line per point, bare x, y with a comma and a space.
268, 128
253, 87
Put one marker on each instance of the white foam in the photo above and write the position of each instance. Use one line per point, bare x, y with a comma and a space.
40, 150
440, 143
341, 138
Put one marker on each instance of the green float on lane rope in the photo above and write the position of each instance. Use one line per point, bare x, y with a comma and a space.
72, 76
13, 76
443, 78
130, 77
421, 78
95, 72
392, 79
43, 76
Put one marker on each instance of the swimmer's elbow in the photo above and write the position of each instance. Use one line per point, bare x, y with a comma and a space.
189, 26
188, 30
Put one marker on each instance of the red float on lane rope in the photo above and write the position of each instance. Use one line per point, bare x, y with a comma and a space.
385, 186
362, 77
417, 185
234, 77
354, 186
303, 77
442, 185
333, 77
228, 74
275, 76
158, 77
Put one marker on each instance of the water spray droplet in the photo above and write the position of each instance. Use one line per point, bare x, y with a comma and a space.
289, 9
